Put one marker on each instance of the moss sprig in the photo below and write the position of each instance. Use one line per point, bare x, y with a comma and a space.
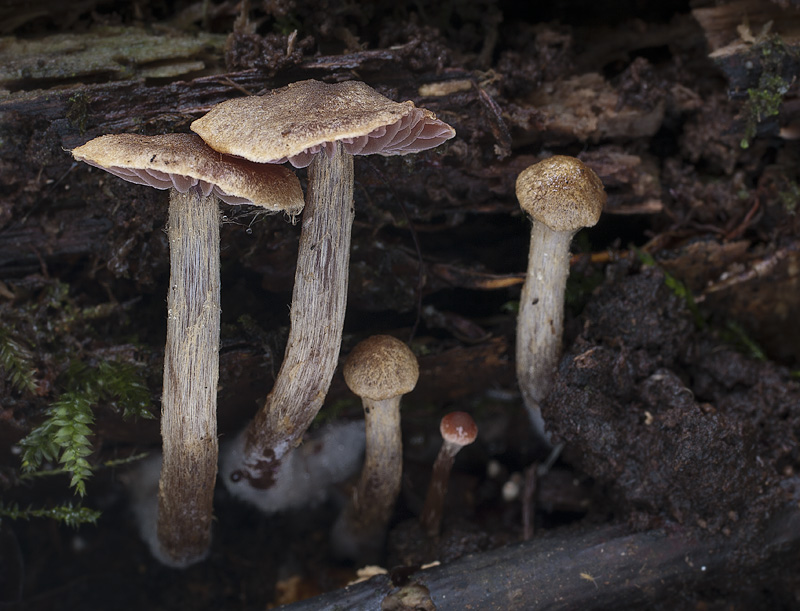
69, 514
16, 363
64, 436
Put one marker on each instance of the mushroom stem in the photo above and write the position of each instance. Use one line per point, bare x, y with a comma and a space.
458, 429
359, 532
317, 317
379, 485
380, 370
541, 315
191, 370
432, 510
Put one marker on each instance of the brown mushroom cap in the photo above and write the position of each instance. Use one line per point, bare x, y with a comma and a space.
458, 428
184, 161
297, 121
381, 367
562, 193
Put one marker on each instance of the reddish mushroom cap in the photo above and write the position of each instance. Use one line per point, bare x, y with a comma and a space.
458, 428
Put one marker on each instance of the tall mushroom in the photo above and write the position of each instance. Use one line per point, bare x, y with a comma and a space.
321, 125
196, 177
380, 370
560, 195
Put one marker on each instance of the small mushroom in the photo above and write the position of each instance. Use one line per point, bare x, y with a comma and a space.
458, 429
380, 370
196, 177
322, 126
560, 195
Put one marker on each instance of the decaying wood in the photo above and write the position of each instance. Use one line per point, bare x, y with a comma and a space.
603, 568
740, 34
735, 25
110, 53
587, 108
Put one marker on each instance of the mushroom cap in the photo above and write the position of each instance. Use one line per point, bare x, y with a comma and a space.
184, 161
297, 121
381, 367
458, 428
562, 193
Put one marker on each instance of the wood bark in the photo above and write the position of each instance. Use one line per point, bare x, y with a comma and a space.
601, 568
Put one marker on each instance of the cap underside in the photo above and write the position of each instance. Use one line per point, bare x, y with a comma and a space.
184, 161
298, 121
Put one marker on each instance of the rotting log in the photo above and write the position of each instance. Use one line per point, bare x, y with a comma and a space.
604, 568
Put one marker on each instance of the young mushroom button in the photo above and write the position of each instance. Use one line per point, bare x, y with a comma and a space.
320, 125
380, 370
196, 177
560, 195
458, 429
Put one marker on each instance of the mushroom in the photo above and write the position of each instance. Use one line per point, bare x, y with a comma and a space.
561, 195
196, 177
380, 370
314, 124
458, 429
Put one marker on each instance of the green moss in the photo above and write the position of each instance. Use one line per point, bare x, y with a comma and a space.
70, 515
64, 436
16, 363
765, 101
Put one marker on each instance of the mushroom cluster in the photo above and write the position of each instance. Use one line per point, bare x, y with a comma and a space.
196, 177
319, 125
233, 156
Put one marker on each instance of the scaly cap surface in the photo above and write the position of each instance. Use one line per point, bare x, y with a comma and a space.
562, 193
381, 367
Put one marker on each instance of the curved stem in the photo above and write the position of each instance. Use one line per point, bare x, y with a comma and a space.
431, 516
318, 309
540, 323
191, 370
